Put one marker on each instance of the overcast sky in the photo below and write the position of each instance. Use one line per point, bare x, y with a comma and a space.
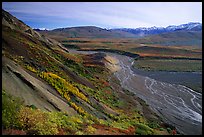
52, 15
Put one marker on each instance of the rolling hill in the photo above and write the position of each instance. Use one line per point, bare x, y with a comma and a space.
177, 38
86, 32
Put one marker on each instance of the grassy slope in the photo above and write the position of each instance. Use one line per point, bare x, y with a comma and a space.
40, 59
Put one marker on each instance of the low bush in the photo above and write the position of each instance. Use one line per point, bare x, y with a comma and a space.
142, 129
10, 109
37, 122
90, 130
153, 124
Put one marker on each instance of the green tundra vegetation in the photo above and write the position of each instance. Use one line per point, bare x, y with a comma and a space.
47, 64
184, 65
59, 68
38, 122
35, 121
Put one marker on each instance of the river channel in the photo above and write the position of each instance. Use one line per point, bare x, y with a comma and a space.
177, 104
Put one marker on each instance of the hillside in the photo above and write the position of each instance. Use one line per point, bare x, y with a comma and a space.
14, 24
48, 90
86, 32
177, 38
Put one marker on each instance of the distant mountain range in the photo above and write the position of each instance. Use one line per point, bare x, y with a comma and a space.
192, 26
92, 31
189, 34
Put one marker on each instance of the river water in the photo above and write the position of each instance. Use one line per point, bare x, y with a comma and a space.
178, 105
192, 80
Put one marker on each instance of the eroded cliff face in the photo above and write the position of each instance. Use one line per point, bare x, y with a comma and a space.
112, 63
20, 83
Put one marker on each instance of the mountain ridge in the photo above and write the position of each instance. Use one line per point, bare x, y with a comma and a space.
87, 31
95, 32
142, 31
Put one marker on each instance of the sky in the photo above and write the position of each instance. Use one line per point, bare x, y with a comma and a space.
51, 15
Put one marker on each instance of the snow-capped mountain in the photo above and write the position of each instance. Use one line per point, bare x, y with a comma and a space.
191, 26
40, 29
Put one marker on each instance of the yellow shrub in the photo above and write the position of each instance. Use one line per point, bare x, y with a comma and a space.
78, 108
90, 129
76, 120
31, 68
62, 86
66, 96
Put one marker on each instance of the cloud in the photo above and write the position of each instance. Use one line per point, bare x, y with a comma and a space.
118, 14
